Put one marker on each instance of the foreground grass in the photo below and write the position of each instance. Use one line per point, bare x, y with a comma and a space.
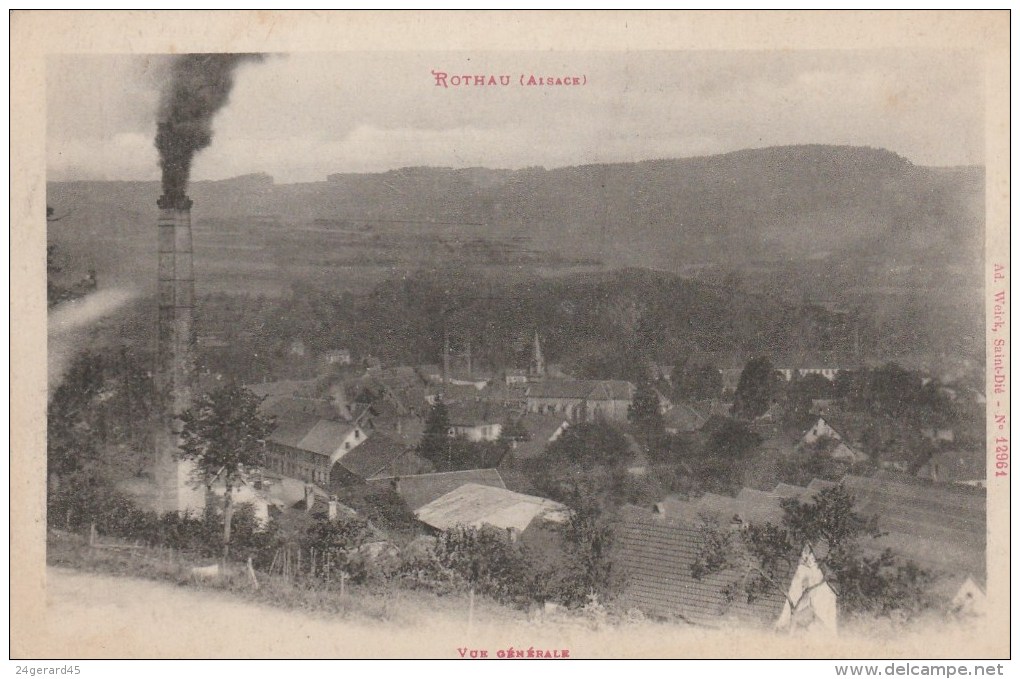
380, 603
294, 619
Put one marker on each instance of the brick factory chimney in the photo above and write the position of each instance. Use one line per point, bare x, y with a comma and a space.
175, 368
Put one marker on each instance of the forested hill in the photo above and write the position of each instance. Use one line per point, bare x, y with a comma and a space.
782, 202
852, 229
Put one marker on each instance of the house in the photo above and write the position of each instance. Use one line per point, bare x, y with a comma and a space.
297, 347
263, 503
970, 598
337, 357
938, 434
839, 450
282, 388
431, 372
291, 408
828, 373
657, 557
515, 376
476, 420
381, 455
822, 405
967, 467
818, 430
835, 446
475, 505
581, 400
474, 379
451, 393
308, 448
731, 378
420, 489
810, 604
400, 386
510, 396
542, 430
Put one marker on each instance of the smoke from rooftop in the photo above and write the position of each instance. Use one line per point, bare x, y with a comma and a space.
199, 86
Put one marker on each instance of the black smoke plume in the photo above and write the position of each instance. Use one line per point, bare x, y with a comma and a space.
199, 86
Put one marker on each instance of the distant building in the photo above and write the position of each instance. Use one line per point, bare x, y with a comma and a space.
731, 378
581, 400
431, 372
811, 602
818, 430
476, 420
337, 357
682, 418
297, 347
970, 598
308, 448
515, 376
837, 448
966, 467
938, 434
828, 373
380, 456
542, 430
475, 379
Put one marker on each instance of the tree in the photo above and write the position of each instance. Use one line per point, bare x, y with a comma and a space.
589, 444
100, 417
645, 413
696, 382
588, 538
877, 583
756, 389
435, 440
730, 439
337, 542
223, 433
513, 431
728, 446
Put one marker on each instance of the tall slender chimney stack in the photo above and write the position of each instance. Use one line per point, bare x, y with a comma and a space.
175, 350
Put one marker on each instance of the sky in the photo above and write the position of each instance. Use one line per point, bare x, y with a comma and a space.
300, 117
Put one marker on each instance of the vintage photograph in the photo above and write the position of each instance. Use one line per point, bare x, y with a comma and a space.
517, 353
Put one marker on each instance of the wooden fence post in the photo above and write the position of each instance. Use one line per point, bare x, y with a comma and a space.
471, 608
251, 574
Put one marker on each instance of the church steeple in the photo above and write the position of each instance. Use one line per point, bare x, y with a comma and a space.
537, 360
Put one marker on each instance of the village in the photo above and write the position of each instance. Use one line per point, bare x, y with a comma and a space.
458, 447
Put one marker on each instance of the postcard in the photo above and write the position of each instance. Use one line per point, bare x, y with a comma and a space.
510, 335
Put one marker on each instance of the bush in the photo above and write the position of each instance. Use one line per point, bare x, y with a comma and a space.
483, 559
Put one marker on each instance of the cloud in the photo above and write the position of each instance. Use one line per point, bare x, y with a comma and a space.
301, 117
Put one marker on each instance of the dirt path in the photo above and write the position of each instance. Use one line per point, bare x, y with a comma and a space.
99, 616
90, 615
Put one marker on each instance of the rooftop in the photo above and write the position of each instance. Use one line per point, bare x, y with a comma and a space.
582, 389
420, 489
657, 554
374, 455
476, 505
475, 413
